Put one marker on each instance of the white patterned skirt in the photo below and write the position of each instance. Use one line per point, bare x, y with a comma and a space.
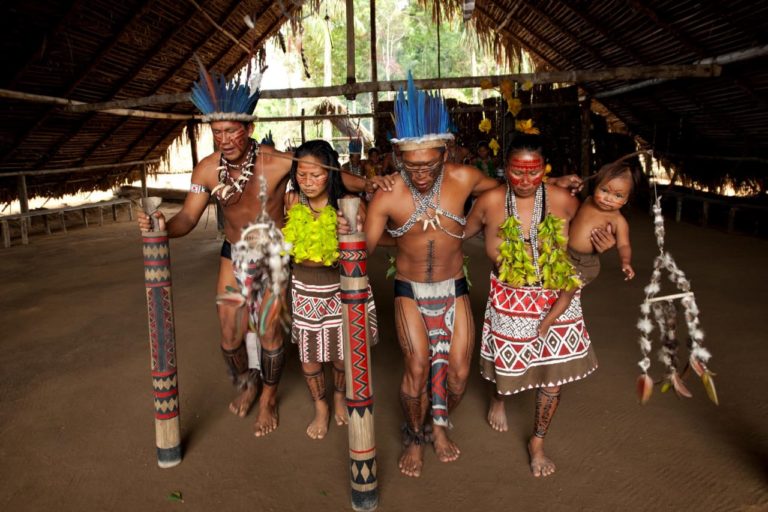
316, 319
513, 355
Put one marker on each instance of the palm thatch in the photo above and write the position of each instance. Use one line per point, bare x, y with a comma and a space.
713, 130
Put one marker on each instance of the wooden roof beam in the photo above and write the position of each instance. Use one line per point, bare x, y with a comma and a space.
542, 40
566, 32
63, 23
599, 27
92, 64
163, 80
217, 58
686, 41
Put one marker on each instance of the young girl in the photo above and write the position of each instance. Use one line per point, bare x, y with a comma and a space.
317, 324
615, 183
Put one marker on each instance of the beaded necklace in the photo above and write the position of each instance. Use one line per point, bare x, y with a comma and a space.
423, 202
533, 231
229, 186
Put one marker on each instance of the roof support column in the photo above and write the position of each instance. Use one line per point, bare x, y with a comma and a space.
586, 137
350, 46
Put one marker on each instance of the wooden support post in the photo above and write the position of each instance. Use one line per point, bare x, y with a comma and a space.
143, 180
23, 223
101, 216
130, 211
732, 219
84, 211
679, 209
350, 46
6, 233
359, 384
437, 6
47, 225
374, 69
192, 134
162, 341
586, 137
303, 133
23, 207
704, 212
114, 212
63, 218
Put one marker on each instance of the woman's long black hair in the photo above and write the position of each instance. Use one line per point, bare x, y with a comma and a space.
323, 151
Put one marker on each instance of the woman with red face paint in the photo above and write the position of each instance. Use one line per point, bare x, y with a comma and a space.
525, 224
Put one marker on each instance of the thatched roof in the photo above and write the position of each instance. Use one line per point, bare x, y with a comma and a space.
704, 126
100, 50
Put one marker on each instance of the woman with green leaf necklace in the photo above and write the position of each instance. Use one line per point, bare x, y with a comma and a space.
317, 322
525, 223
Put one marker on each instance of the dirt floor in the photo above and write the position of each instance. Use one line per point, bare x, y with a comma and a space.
76, 415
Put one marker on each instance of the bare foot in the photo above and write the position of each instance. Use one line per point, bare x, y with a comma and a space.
266, 420
541, 465
340, 413
411, 460
319, 426
243, 402
497, 415
445, 449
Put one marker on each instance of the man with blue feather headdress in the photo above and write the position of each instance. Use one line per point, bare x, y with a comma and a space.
432, 312
226, 175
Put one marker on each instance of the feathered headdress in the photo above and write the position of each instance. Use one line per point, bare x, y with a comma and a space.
219, 100
355, 146
421, 121
268, 140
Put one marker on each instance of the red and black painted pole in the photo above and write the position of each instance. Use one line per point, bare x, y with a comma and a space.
162, 341
357, 359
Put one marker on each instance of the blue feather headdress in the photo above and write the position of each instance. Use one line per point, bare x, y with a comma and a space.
268, 140
421, 120
355, 146
219, 100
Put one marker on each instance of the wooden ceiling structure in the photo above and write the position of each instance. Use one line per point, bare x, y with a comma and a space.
102, 50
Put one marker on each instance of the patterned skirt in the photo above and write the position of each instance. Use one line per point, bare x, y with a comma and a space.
511, 353
317, 321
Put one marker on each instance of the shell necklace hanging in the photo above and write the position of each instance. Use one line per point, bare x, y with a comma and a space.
423, 203
229, 186
533, 234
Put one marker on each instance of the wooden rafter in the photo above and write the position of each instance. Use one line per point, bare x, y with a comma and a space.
594, 23
645, 10
580, 43
63, 23
92, 64
216, 58
166, 77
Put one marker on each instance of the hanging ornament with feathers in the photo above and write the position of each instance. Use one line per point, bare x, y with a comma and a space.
260, 262
665, 312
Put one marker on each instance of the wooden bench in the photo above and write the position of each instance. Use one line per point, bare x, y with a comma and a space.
25, 219
707, 200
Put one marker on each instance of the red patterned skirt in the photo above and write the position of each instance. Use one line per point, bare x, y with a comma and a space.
511, 353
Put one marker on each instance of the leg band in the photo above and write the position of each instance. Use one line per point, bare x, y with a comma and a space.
339, 379
316, 384
272, 363
237, 363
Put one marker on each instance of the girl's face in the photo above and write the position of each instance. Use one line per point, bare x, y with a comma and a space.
612, 194
525, 170
312, 177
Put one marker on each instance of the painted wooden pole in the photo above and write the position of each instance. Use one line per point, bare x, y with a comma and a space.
359, 392
162, 343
